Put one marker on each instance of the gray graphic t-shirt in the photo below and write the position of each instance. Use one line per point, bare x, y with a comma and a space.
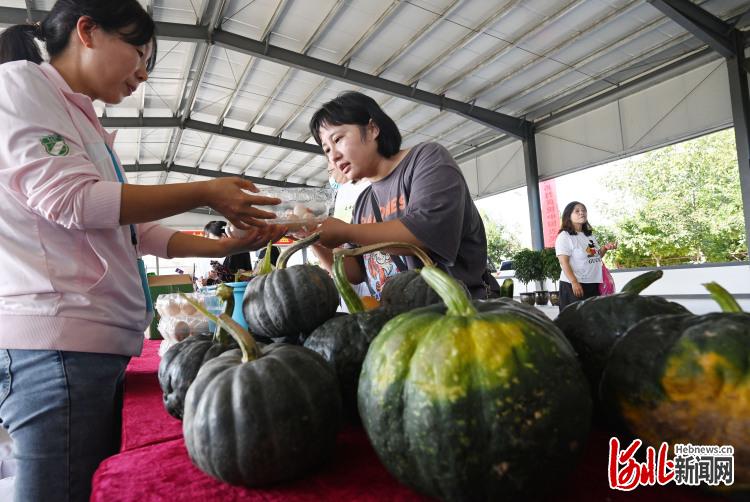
428, 193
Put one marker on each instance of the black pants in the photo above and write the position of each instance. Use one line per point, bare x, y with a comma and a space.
566, 292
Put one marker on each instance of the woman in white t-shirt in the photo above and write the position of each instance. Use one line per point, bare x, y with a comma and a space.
580, 256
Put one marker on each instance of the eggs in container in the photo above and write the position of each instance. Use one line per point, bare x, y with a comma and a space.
178, 318
171, 308
181, 331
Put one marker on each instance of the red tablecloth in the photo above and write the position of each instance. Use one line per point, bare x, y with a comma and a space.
144, 419
153, 463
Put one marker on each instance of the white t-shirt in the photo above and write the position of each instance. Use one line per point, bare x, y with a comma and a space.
584, 256
346, 197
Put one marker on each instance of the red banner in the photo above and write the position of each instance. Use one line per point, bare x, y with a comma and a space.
550, 212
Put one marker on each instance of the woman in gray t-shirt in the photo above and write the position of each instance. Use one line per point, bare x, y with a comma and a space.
417, 195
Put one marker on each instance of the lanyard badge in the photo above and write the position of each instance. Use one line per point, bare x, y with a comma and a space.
134, 240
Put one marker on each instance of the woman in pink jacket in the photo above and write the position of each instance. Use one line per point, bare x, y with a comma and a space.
73, 300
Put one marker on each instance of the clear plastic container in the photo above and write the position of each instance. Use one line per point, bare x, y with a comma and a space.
176, 328
299, 207
179, 319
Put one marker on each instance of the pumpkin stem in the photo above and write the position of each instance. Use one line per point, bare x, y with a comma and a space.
250, 349
449, 289
351, 298
506, 290
418, 252
226, 294
302, 243
265, 266
723, 297
641, 282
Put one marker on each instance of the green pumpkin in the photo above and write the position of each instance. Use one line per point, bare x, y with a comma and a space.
181, 362
289, 302
481, 401
256, 418
343, 341
509, 303
408, 291
594, 325
686, 379
506, 289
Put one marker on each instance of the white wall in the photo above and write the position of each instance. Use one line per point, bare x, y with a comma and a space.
683, 284
692, 104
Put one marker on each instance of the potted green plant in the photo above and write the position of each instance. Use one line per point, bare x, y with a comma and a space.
528, 267
539, 278
552, 270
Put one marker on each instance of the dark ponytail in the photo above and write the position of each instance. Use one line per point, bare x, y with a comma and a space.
17, 43
125, 17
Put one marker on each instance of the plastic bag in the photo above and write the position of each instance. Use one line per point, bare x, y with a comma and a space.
179, 319
176, 328
299, 207
607, 286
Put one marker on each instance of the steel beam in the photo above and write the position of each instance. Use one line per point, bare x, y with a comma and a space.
173, 31
14, 15
217, 129
253, 136
29, 10
209, 173
700, 23
505, 123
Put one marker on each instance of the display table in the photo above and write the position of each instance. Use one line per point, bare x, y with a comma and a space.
153, 463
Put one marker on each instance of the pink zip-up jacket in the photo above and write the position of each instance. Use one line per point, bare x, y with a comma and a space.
69, 273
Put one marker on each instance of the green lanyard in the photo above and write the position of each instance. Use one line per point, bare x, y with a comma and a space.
134, 240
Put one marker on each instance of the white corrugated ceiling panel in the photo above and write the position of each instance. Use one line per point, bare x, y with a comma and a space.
674, 110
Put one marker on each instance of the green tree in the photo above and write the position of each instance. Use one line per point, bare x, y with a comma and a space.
688, 205
501, 245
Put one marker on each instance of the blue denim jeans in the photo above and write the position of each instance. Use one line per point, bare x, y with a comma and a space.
63, 412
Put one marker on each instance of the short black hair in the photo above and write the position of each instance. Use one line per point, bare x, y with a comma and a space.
261, 253
353, 107
215, 228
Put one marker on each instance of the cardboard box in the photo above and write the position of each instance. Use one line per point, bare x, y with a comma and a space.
163, 284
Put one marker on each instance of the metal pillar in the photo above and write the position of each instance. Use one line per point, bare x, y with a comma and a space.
730, 42
740, 96
532, 190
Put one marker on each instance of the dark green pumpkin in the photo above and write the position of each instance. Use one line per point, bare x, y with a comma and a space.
408, 290
290, 302
181, 362
256, 418
479, 402
593, 325
686, 379
509, 303
506, 289
343, 341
